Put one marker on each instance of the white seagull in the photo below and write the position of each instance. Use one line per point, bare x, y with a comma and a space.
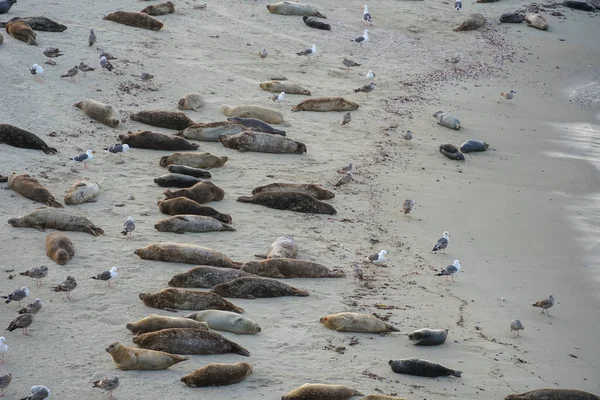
378, 258
117, 148
84, 157
450, 270
442, 243
370, 75
107, 275
362, 39
3, 348
37, 72
278, 97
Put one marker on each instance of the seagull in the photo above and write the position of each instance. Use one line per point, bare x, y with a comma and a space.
347, 118
442, 243
370, 75
83, 67
278, 97
366, 15
345, 170
349, 63
36, 71
545, 304
92, 38
23, 321
38, 392
17, 295
107, 275
108, 384
263, 53
407, 206
366, 88
453, 60
71, 73
344, 179
84, 157
146, 77
4, 382
516, 326
51, 52
308, 52
67, 286
117, 148
378, 258
36, 273
128, 227
408, 135
362, 39
32, 308
358, 272
105, 64
102, 53
450, 270
3, 349
508, 95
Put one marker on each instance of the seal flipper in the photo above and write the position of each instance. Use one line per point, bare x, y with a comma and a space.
392, 328
236, 348
298, 292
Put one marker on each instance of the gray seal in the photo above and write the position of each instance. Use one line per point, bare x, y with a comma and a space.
255, 287
37, 23
17, 137
451, 152
176, 180
206, 276
419, 367
191, 171
473, 145
188, 341
579, 5
257, 125
447, 120
553, 394
428, 337
512, 18
293, 201
316, 23
5, 5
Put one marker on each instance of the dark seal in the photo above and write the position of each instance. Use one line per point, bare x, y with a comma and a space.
163, 119
419, 367
255, 287
579, 5
512, 18
553, 394
257, 125
191, 171
5, 5
316, 23
293, 201
156, 141
428, 337
473, 145
451, 152
16, 137
176, 180
38, 24
183, 205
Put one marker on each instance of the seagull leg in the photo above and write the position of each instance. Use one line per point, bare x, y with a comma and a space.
68, 297
547, 313
84, 165
25, 332
452, 278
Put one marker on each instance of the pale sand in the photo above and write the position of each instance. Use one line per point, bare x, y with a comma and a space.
508, 211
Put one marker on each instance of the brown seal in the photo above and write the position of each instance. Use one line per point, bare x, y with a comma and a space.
38, 23
282, 247
293, 201
29, 187
53, 218
156, 141
190, 101
326, 104
289, 8
159, 9
20, 30
185, 253
59, 247
188, 341
163, 119
182, 299
265, 114
536, 21
317, 391
185, 170
553, 394
262, 143
82, 192
316, 191
194, 160
201, 192
103, 113
17, 137
284, 86
206, 276
139, 20
129, 358
254, 287
218, 375
474, 21
356, 322
183, 205
153, 323
191, 223
290, 268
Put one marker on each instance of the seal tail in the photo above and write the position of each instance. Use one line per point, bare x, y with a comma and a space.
392, 328
455, 373
298, 292
244, 199
180, 133
261, 256
229, 306
227, 227
236, 348
54, 203
279, 132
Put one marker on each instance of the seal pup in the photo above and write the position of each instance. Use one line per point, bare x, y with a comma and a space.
318, 391
356, 322
289, 8
54, 218
20, 30
107, 276
419, 367
59, 247
378, 258
262, 143
139, 20
17, 295
32, 308
283, 86
264, 114
256, 125
451, 152
185, 253
284, 268
163, 119
183, 205
314, 22
553, 394
545, 304
185, 170
308, 52
100, 112
159, 9
347, 118
182, 299
226, 321
29, 187
67, 286
194, 160
4, 379
515, 327
37, 273
23, 321
154, 322
191, 223
349, 63
407, 206
450, 270
82, 192
335, 103
191, 101
442, 243
108, 384
188, 341
282, 247
362, 39
473, 145
254, 287
201, 192
428, 337
473, 21
447, 120
6, 5
176, 180
156, 141
16, 137
508, 95
218, 375
129, 358
206, 276
292, 201
92, 38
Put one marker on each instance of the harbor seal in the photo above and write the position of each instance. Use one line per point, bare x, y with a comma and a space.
206, 276
316, 23
176, 180
579, 5
283, 268
226, 321
29, 187
326, 104
185, 253
381, 397
262, 143
53, 218
210, 132
318, 391
163, 119
194, 160
553, 394
473, 21
283, 86
100, 112
156, 141
282, 247
428, 337
512, 18
190, 101
154, 322
188, 341
191, 223
183, 205
447, 120
139, 20
472, 145
20, 30
201, 192
159, 9
249, 287
17, 137
82, 192
316, 191
59, 247
5, 6
289, 8
419, 367
183, 299
451, 151
265, 114
255, 125
356, 322
38, 23
218, 375
185, 170
129, 358
536, 21
293, 201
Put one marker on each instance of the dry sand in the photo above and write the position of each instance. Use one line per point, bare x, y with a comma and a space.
520, 216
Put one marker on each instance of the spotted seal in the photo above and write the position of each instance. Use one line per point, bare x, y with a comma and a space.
38, 23
472, 145
59, 247
419, 367
190, 101
265, 114
282, 247
293, 201
317, 391
428, 337
316, 191
206, 276
183, 299
185, 170
82, 192
139, 20
29, 187
451, 151
226, 321
536, 21
326, 104
473, 21
183, 205
185, 253
316, 23
159, 9
289, 8
218, 375
62, 220
356, 322
154, 322
256, 125
283, 86
201, 192
262, 143
283, 268
100, 112
17, 137
191, 223
156, 141
20, 30
447, 120
163, 119
176, 180
210, 132
194, 160
254, 287
188, 341
553, 394
129, 358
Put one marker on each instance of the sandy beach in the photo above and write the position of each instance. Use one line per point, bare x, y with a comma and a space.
522, 216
